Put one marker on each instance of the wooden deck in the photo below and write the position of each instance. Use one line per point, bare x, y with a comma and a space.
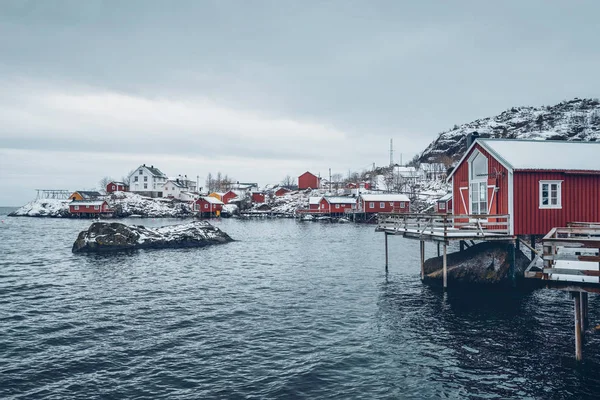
446, 227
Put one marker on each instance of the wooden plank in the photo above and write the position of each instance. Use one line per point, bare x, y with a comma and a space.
575, 272
578, 330
571, 257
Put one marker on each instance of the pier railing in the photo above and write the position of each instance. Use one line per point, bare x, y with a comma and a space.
446, 225
572, 254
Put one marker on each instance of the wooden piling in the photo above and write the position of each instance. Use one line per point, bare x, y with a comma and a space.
532, 246
438, 248
578, 338
445, 266
422, 259
386, 251
584, 311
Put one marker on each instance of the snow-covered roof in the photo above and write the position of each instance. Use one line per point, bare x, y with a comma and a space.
87, 194
314, 200
445, 197
211, 200
384, 197
545, 154
87, 203
341, 200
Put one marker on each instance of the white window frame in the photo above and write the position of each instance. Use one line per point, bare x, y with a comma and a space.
145, 186
205, 205
113, 187
441, 206
382, 204
96, 207
402, 204
337, 206
478, 182
558, 204
76, 208
372, 204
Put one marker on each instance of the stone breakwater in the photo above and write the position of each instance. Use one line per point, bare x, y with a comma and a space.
108, 237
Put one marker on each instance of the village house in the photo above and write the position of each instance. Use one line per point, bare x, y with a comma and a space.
308, 181
538, 184
224, 197
180, 189
444, 204
115, 186
336, 205
433, 171
208, 206
282, 192
313, 202
258, 197
89, 208
81, 195
383, 203
147, 181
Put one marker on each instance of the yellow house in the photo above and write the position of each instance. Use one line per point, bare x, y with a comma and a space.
217, 195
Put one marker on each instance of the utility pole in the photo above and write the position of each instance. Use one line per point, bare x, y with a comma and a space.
391, 152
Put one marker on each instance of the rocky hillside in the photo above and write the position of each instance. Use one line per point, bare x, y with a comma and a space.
577, 119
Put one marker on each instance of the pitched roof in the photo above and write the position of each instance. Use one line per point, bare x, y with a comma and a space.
445, 197
340, 200
545, 154
309, 173
117, 183
87, 203
384, 197
314, 199
212, 200
87, 194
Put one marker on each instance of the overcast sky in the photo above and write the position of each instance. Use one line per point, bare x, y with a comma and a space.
262, 89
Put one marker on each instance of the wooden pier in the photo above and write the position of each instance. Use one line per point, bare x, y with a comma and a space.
442, 229
571, 262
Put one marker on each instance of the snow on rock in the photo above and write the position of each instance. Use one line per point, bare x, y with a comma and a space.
43, 208
106, 237
577, 120
125, 204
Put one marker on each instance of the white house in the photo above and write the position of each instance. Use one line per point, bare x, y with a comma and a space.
147, 181
180, 189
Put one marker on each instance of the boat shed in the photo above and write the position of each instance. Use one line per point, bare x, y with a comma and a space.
383, 203
538, 184
444, 204
337, 205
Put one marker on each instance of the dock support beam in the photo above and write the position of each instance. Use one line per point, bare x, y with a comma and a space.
445, 266
462, 245
584, 310
513, 261
386, 251
422, 259
578, 330
438, 248
532, 238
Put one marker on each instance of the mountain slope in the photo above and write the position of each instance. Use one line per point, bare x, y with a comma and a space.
577, 119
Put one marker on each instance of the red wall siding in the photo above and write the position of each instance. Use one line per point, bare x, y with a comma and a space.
258, 198
228, 196
118, 188
202, 202
580, 201
389, 206
498, 176
308, 180
88, 209
281, 192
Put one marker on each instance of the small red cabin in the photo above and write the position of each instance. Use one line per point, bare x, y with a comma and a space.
112, 187
228, 196
89, 208
444, 204
208, 206
308, 181
282, 192
336, 205
377, 203
539, 184
258, 197
313, 203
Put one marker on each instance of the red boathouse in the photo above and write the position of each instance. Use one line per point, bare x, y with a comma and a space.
383, 203
308, 181
112, 187
258, 197
539, 184
89, 208
336, 205
208, 206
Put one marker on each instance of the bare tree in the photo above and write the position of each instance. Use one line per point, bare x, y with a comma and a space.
104, 182
288, 182
209, 183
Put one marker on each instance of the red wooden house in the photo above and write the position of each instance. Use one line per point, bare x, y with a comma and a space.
377, 203
444, 204
336, 205
228, 196
308, 181
258, 197
89, 208
282, 192
208, 206
313, 203
539, 184
112, 187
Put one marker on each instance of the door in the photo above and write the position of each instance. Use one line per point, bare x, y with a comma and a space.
478, 197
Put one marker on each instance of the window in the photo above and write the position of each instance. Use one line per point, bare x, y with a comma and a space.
145, 179
442, 206
145, 186
337, 206
550, 194
401, 204
96, 207
323, 206
135, 178
206, 206
141, 172
478, 174
113, 187
76, 208
391, 204
382, 205
371, 205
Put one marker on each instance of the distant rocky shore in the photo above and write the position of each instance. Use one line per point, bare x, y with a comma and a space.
103, 237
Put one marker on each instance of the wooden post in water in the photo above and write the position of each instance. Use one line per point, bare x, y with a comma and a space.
584, 310
578, 341
422, 259
438, 248
445, 266
532, 246
385, 234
